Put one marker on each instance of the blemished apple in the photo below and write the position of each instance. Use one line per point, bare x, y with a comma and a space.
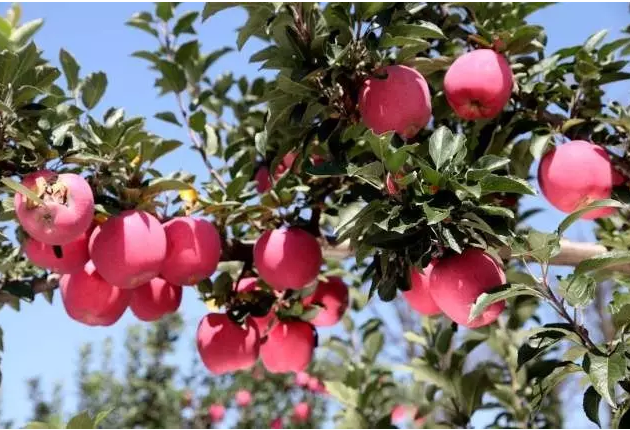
128, 249
193, 250
91, 300
333, 298
74, 255
68, 209
225, 346
478, 84
396, 99
289, 347
156, 298
577, 173
419, 296
287, 258
301, 412
457, 281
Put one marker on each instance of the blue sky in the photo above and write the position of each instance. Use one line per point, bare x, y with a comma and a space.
41, 340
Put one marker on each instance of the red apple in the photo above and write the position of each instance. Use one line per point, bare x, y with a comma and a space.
478, 84
400, 102
193, 250
263, 181
287, 258
457, 281
289, 347
243, 398
301, 413
225, 346
419, 296
156, 298
74, 255
575, 174
128, 249
68, 209
332, 296
216, 412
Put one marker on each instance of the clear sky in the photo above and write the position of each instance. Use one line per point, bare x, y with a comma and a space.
41, 340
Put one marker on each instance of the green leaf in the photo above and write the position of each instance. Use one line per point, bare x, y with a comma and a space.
594, 41
606, 203
352, 419
101, 416
472, 388
22, 34
173, 74
93, 88
168, 117
295, 88
427, 66
443, 146
389, 41
164, 10
499, 294
578, 290
507, 184
539, 144
619, 308
210, 8
420, 31
346, 395
70, 69
197, 121
371, 173
212, 140
366, 10
373, 344
188, 53
37, 425
590, 404
81, 421
19, 188
235, 186
142, 25
435, 215
260, 140
604, 372
185, 23
602, 261
159, 185
426, 373
542, 339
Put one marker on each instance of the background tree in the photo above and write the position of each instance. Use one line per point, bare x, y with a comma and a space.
458, 185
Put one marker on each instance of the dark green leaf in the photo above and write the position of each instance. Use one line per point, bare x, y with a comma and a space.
420, 31
443, 146
210, 8
81, 421
93, 88
435, 215
590, 404
159, 185
197, 121
168, 117
164, 10
185, 23
173, 74
70, 69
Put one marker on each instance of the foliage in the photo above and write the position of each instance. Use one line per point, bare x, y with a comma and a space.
462, 182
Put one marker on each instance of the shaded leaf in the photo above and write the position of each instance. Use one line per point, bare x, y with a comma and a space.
93, 88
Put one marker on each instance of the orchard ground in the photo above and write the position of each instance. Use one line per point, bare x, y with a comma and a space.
53, 339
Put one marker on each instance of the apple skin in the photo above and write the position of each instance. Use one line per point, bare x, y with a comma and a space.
401, 102
456, 282
419, 296
226, 347
243, 398
128, 249
74, 255
478, 85
333, 297
193, 250
156, 298
568, 186
263, 181
89, 299
287, 258
289, 347
216, 412
301, 412
65, 216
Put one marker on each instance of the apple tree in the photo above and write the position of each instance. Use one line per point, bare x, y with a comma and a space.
387, 156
